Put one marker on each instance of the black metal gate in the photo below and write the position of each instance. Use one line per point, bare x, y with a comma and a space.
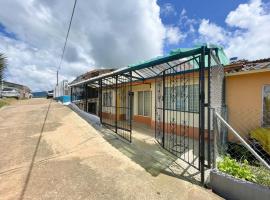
115, 104
181, 115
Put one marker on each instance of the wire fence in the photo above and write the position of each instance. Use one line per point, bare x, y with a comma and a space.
241, 143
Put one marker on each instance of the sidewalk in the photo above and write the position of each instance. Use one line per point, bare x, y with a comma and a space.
61, 156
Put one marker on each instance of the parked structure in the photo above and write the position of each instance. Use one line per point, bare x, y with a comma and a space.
24, 91
172, 94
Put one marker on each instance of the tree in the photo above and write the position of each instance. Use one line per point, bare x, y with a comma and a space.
3, 65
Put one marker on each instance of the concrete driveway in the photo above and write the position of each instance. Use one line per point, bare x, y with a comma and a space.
48, 152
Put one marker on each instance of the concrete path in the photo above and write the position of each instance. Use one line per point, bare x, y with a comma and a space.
48, 152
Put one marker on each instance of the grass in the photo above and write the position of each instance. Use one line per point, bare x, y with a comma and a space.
6, 101
262, 175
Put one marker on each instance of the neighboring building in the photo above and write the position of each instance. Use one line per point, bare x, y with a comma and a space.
61, 92
24, 91
91, 104
248, 94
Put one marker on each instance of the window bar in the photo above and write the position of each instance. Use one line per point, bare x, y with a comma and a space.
116, 79
85, 97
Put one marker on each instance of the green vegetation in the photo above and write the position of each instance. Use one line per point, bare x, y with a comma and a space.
244, 171
262, 175
236, 169
3, 103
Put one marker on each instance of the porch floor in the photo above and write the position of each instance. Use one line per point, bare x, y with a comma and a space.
147, 152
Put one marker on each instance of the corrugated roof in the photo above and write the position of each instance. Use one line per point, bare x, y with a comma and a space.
153, 67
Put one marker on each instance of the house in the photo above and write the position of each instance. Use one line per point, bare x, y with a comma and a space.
135, 98
171, 96
24, 91
91, 93
247, 94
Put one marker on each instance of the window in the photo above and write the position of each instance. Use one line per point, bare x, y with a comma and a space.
144, 103
266, 105
107, 99
182, 98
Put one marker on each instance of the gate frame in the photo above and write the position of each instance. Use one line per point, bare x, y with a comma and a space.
204, 51
155, 69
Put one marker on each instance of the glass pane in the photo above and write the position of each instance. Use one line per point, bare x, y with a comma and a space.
167, 98
193, 98
182, 98
109, 99
140, 103
266, 105
147, 103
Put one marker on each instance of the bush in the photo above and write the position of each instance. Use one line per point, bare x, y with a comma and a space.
244, 171
236, 169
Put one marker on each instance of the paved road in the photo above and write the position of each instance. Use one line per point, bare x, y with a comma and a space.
48, 152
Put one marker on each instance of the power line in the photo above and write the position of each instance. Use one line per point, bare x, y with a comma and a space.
62, 56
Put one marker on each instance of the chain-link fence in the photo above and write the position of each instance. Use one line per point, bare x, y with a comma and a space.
241, 147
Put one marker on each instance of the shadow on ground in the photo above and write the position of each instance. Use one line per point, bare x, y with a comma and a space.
145, 151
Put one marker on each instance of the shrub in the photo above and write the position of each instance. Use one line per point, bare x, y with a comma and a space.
236, 169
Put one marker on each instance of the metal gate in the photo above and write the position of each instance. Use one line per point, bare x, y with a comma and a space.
115, 104
182, 110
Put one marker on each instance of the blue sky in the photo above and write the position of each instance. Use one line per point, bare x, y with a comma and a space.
117, 33
216, 11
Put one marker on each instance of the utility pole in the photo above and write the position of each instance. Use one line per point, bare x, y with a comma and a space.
57, 77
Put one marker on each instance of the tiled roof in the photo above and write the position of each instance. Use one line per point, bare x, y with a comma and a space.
244, 65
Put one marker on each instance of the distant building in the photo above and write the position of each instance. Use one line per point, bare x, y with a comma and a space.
24, 91
91, 94
91, 74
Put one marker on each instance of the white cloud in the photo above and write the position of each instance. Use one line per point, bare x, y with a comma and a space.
248, 36
174, 35
168, 9
104, 34
211, 32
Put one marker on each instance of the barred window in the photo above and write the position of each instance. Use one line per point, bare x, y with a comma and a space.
144, 103
107, 99
182, 98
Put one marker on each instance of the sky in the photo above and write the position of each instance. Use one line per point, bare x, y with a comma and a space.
106, 34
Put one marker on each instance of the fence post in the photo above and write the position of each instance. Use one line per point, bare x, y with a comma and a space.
202, 112
100, 101
163, 108
71, 94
